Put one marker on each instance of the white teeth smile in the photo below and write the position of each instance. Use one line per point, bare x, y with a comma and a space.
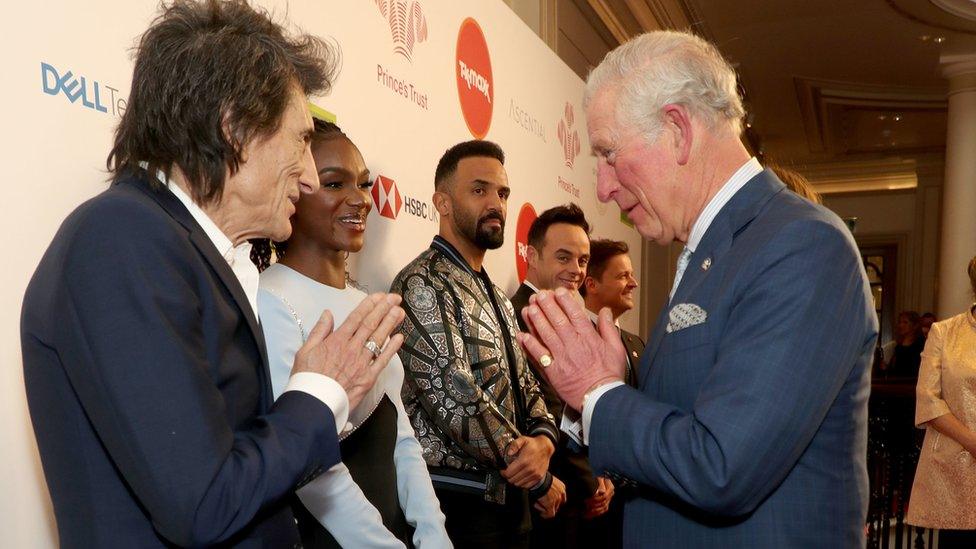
356, 221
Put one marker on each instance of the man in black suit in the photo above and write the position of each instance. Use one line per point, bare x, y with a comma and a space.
145, 368
610, 283
557, 256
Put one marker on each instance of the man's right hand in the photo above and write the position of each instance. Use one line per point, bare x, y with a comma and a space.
599, 502
342, 354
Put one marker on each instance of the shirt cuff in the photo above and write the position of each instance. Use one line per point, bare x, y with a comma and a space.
326, 390
589, 404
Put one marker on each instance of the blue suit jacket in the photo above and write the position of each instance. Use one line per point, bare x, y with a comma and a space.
750, 429
148, 386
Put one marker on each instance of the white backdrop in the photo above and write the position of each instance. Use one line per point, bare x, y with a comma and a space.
412, 84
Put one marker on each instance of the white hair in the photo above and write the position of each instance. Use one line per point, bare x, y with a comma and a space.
667, 67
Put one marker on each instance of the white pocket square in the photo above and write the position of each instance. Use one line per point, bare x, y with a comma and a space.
685, 315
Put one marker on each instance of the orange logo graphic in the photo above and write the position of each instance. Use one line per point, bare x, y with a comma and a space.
476, 89
525, 218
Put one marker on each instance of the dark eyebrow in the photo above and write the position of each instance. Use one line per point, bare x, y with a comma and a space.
342, 171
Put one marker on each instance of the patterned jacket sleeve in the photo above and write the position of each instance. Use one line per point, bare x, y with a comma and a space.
437, 365
540, 421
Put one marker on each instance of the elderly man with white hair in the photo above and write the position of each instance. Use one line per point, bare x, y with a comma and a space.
748, 427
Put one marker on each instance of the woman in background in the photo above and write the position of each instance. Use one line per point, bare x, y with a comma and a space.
944, 493
904, 354
381, 491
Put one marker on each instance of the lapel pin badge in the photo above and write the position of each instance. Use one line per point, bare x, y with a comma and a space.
707, 263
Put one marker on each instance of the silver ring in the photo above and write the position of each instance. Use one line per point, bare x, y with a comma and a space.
545, 361
373, 347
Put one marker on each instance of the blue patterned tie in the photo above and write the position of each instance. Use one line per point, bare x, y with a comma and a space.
683, 260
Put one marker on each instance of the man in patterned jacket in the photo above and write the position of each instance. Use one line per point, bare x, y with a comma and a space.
474, 403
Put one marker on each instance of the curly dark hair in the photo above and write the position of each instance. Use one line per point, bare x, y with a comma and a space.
210, 76
264, 250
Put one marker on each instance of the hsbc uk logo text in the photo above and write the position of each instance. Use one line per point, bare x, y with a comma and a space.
389, 202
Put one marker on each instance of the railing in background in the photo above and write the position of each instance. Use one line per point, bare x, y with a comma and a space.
893, 448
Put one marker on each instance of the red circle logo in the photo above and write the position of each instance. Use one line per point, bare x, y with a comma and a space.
475, 84
525, 218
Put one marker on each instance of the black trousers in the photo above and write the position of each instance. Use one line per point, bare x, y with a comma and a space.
957, 539
473, 523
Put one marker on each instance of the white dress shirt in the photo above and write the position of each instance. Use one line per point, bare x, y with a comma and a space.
238, 257
738, 180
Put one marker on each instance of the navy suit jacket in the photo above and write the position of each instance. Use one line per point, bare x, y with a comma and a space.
750, 428
147, 381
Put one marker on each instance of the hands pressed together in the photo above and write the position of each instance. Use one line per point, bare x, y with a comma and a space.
580, 358
575, 357
344, 355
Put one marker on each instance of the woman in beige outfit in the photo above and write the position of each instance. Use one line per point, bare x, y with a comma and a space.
944, 493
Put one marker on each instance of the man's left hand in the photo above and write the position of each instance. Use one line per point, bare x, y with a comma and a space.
549, 504
563, 335
531, 460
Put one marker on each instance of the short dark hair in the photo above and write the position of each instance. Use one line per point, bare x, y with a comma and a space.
601, 252
571, 214
202, 63
928, 315
448, 163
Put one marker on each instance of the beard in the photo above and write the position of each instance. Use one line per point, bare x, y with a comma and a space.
479, 233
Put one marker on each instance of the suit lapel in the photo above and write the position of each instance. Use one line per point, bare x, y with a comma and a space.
172, 205
737, 213
657, 334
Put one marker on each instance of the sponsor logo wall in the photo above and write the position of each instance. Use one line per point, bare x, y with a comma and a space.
417, 76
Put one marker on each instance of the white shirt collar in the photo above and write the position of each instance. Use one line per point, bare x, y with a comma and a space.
747, 171
238, 257
596, 318
219, 239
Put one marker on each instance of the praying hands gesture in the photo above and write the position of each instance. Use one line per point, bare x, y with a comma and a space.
353, 354
575, 358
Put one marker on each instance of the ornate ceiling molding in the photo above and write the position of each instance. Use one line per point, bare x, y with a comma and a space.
887, 174
828, 109
928, 13
961, 8
610, 20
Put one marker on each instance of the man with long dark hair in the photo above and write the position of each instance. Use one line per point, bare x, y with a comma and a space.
145, 368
